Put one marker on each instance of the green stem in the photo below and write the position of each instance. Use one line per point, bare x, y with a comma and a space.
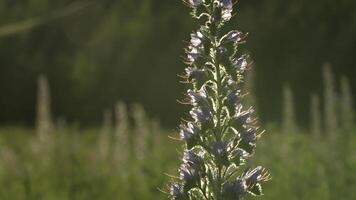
218, 102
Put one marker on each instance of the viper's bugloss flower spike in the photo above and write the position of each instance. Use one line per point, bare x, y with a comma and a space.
221, 133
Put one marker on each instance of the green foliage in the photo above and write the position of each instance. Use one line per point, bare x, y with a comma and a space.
302, 167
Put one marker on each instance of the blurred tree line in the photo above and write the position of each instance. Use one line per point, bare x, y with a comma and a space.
107, 50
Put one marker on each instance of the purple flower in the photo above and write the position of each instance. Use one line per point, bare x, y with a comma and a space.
189, 133
191, 158
234, 190
240, 187
249, 136
189, 175
196, 39
202, 114
240, 64
226, 6
229, 83
176, 192
233, 97
255, 175
197, 75
194, 160
197, 97
228, 191
239, 156
243, 118
233, 36
219, 150
193, 54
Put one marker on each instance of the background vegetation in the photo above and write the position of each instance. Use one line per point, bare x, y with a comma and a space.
64, 65
96, 52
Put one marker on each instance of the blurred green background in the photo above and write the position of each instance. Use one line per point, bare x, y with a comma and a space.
88, 94
97, 52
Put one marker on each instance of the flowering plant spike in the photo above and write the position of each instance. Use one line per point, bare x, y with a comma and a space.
220, 134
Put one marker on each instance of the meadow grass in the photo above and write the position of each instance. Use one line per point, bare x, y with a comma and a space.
303, 167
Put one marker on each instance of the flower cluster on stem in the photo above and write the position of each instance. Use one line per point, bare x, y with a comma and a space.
221, 133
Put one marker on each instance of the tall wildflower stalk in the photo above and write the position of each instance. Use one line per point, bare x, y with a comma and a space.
43, 119
141, 131
105, 135
289, 120
221, 133
121, 147
330, 98
315, 116
347, 111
